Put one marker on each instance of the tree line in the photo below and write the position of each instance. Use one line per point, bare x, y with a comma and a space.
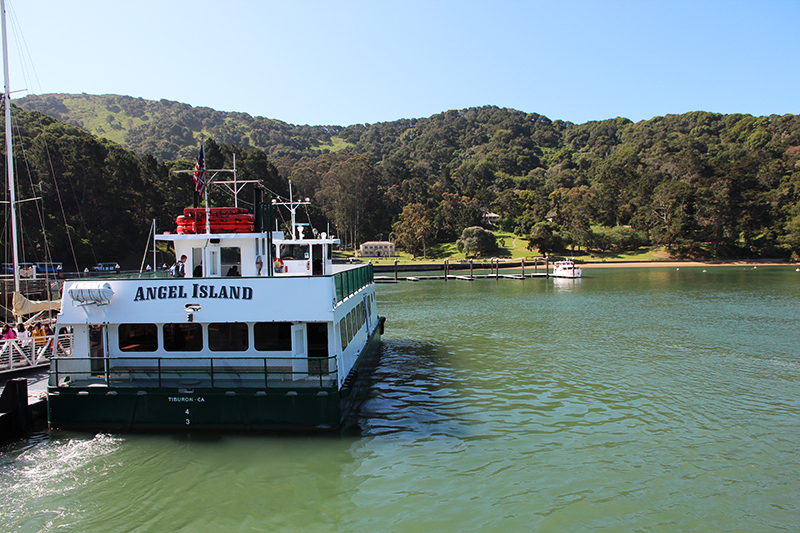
85, 200
698, 183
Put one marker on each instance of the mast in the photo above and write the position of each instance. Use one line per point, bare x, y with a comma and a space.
10, 154
292, 206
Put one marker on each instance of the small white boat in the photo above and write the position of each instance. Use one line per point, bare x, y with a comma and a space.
566, 269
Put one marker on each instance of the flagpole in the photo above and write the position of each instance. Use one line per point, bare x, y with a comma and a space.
205, 189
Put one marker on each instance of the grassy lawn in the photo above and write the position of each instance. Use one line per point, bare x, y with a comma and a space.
514, 247
335, 145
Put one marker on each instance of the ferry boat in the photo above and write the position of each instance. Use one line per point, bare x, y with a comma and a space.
566, 269
264, 332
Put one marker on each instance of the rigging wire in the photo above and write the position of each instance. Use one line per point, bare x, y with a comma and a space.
24, 52
20, 147
60, 200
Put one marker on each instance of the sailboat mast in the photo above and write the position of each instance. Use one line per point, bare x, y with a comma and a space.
10, 154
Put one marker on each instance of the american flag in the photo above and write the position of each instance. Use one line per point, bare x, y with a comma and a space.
200, 173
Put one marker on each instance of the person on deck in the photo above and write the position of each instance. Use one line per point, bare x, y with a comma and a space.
180, 267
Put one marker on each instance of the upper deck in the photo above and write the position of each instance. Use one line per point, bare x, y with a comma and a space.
253, 254
160, 298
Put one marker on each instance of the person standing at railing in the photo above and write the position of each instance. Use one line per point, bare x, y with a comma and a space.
24, 339
9, 332
50, 335
38, 339
5, 352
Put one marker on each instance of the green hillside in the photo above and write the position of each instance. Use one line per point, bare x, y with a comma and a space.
698, 184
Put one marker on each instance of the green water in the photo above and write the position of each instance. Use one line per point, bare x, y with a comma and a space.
631, 400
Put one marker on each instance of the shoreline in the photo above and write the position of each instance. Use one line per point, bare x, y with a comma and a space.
661, 264
483, 265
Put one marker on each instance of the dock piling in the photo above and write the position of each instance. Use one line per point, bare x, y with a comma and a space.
14, 409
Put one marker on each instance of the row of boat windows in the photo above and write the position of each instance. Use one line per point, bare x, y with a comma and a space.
357, 317
222, 337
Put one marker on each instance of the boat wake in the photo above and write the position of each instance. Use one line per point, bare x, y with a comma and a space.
43, 472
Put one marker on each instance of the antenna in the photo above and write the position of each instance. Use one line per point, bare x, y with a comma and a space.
292, 206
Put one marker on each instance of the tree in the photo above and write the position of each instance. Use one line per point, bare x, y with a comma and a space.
477, 241
575, 212
345, 194
792, 237
454, 213
670, 212
545, 238
413, 229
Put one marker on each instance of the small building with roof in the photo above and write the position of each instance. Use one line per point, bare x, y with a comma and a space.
377, 249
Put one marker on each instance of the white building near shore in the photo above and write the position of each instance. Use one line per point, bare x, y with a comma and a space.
377, 249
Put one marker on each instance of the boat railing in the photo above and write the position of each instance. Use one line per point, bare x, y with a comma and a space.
349, 282
190, 371
32, 351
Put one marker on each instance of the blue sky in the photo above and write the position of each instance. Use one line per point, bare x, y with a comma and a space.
348, 62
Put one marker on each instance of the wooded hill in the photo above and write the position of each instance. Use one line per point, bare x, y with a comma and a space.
724, 185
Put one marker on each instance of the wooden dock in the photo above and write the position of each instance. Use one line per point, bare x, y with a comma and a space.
494, 266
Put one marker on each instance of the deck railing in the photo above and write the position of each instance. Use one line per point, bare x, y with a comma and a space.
32, 351
190, 371
349, 282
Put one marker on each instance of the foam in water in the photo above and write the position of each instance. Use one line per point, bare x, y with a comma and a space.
43, 473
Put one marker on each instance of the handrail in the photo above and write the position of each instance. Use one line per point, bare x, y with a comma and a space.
250, 372
31, 351
349, 282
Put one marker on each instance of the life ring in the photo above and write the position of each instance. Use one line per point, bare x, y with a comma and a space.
259, 264
278, 264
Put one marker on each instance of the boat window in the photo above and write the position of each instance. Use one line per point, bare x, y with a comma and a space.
211, 268
316, 260
183, 337
197, 262
317, 337
273, 336
230, 257
138, 337
351, 331
97, 351
294, 251
343, 333
228, 337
